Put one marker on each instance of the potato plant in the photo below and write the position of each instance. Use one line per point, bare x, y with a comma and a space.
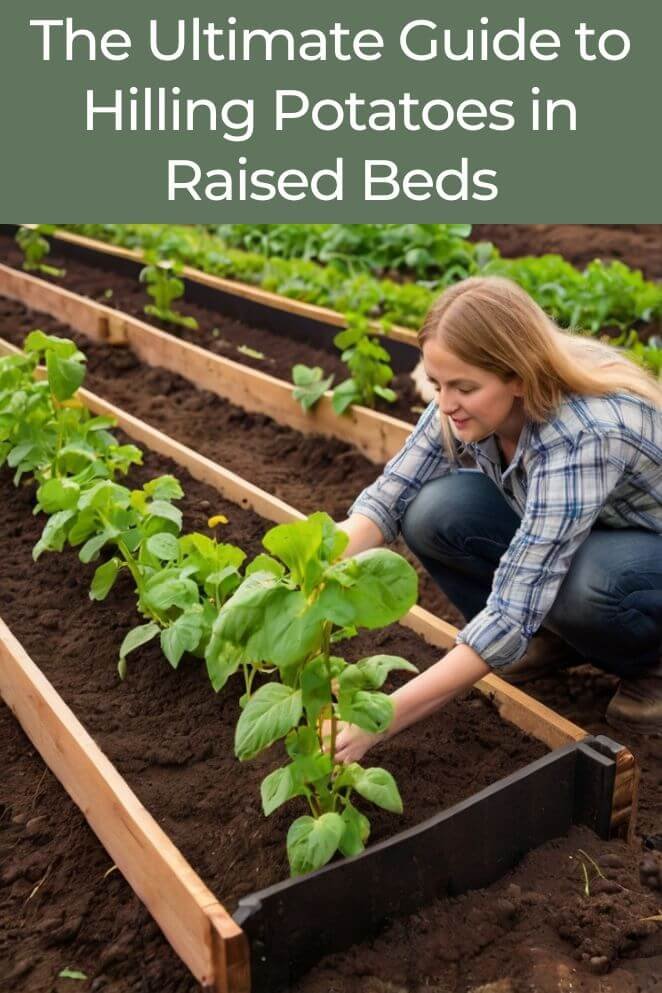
35, 247
164, 286
283, 618
294, 606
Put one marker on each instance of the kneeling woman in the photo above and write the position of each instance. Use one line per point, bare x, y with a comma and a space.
555, 540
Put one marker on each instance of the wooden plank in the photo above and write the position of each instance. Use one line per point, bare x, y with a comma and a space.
377, 436
626, 796
192, 919
244, 290
513, 705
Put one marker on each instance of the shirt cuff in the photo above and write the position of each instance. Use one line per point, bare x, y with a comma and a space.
497, 643
374, 512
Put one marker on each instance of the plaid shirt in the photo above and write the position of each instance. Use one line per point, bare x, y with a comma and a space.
598, 459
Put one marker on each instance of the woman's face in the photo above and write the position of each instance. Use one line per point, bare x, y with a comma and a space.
477, 402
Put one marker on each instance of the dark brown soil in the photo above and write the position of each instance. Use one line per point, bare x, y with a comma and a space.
638, 245
219, 334
171, 738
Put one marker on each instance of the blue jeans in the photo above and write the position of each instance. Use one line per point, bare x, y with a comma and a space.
609, 606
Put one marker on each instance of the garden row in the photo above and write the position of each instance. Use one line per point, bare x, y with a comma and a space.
603, 298
65, 374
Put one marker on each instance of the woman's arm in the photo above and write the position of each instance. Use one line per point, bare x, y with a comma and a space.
363, 534
419, 698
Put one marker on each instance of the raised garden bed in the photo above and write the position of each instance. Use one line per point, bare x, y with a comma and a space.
179, 779
229, 315
571, 774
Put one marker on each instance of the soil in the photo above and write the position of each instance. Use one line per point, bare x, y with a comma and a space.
171, 737
638, 245
217, 333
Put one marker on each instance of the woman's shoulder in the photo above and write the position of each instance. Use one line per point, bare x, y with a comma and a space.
623, 416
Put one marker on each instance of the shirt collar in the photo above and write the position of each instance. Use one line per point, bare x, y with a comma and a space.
490, 450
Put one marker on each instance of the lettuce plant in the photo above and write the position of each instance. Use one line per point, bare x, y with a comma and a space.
35, 247
368, 364
294, 606
164, 286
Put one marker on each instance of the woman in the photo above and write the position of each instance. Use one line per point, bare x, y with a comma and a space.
556, 538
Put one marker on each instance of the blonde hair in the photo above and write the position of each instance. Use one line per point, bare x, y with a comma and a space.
492, 323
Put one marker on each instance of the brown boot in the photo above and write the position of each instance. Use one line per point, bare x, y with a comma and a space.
546, 654
637, 705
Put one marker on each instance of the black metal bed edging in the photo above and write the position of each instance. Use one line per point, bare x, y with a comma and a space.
293, 924
305, 330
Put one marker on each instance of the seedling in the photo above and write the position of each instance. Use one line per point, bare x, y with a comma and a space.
35, 248
292, 608
310, 385
164, 286
594, 868
251, 353
368, 363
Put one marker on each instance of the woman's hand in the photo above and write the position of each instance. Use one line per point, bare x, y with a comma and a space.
352, 743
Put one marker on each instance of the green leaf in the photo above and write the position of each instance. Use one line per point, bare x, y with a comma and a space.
385, 393
279, 787
356, 832
309, 385
164, 546
378, 786
268, 621
64, 375
297, 545
93, 546
371, 673
164, 488
312, 842
37, 341
166, 511
54, 534
272, 711
384, 588
345, 395
104, 579
265, 563
315, 687
223, 660
370, 711
136, 637
58, 494
168, 589
71, 974
182, 636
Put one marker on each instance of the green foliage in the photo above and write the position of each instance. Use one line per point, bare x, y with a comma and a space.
279, 619
310, 385
286, 619
45, 431
164, 286
35, 247
602, 295
425, 250
368, 364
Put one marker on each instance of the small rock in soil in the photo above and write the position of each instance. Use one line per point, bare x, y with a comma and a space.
66, 933
500, 986
605, 886
599, 964
611, 860
504, 912
36, 826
